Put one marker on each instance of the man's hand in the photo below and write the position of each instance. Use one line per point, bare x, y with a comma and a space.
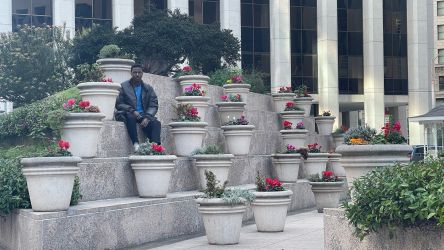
145, 122
137, 115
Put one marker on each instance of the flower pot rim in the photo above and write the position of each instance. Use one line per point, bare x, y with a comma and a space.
236, 85
52, 159
260, 194
114, 60
105, 85
334, 155
84, 114
152, 157
284, 155
325, 183
290, 112
374, 147
325, 117
188, 124
237, 127
303, 98
293, 131
318, 154
222, 104
282, 94
184, 98
217, 201
213, 156
189, 77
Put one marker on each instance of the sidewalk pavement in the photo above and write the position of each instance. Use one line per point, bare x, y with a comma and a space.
303, 231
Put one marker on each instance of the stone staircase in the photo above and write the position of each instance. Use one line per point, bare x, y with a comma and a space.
111, 216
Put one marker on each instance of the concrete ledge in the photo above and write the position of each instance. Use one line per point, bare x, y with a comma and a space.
338, 234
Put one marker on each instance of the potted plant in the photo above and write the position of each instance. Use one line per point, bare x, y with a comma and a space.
152, 169
50, 179
213, 159
325, 123
101, 94
338, 135
294, 135
303, 99
195, 96
283, 96
230, 107
326, 190
238, 135
187, 76
236, 85
365, 149
188, 131
114, 63
287, 163
81, 127
316, 161
222, 211
293, 113
270, 205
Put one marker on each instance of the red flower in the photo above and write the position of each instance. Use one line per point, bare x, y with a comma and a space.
187, 69
289, 105
196, 86
224, 98
397, 126
193, 112
157, 148
291, 147
107, 80
327, 174
287, 124
71, 102
63, 145
84, 104
236, 79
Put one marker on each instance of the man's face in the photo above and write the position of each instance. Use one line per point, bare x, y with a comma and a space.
137, 74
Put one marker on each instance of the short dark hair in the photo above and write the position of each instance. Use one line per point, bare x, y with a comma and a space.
136, 66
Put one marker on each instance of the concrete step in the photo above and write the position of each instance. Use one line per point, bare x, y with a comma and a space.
116, 223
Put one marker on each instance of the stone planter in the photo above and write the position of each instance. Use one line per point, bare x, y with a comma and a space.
50, 181
116, 68
229, 111
199, 102
315, 164
186, 81
188, 136
270, 210
81, 130
295, 137
280, 99
101, 94
238, 138
219, 164
153, 174
358, 160
287, 166
294, 117
304, 103
325, 124
222, 221
238, 88
335, 164
326, 194
338, 139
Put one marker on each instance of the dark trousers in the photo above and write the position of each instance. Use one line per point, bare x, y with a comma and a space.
152, 131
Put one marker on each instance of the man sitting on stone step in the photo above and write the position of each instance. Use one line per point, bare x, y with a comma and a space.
137, 104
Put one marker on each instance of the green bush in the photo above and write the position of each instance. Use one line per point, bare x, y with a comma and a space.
88, 73
364, 132
220, 76
113, 51
398, 196
255, 78
41, 120
209, 149
34, 64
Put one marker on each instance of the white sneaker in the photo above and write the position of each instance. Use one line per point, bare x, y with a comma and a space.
136, 146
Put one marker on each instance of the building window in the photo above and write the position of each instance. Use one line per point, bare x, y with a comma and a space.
141, 5
395, 47
31, 12
441, 83
255, 28
89, 12
441, 56
440, 7
205, 11
440, 32
303, 27
350, 47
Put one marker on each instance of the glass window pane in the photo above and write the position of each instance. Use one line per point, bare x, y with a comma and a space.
309, 20
102, 9
261, 40
83, 23
296, 65
262, 63
440, 32
84, 8
21, 6
296, 36
261, 15
41, 7
247, 15
295, 18
20, 20
440, 6
441, 56
247, 39
354, 20
309, 42
210, 12
41, 20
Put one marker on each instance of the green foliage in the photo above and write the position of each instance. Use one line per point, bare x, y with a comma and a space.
213, 189
230, 196
208, 150
88, 43
398, 196
363, 132
220, 76
88, 73
187, 113
113, 51
39, 120
150, 148
76, 195
235, 196
13, 188
33, 64
255, 78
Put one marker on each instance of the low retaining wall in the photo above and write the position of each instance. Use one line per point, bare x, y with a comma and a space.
338, 234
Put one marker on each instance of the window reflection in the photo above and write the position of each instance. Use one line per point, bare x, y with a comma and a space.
89, 12
205, 11
141, 5
31, 12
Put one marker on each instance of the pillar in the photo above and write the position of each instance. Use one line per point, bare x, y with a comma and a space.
373, 30
327, 17
420, 48
280, 49
6, 16
230, 18
182, 5
123, 13
63, 14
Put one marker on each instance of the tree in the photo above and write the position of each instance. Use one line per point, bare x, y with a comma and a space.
34, 64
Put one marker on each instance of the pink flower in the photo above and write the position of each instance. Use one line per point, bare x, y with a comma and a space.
327, 174
157, 148
236, 79
84, 104
224, 98
63, 145
71, 102
187, 68
397, 126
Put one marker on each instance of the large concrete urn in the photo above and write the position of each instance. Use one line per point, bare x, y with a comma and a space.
325, 124
326, 194
50, 181
286, 166
238, 138
305, 103
101, 94
238, 88
219, 164
315, 163
188, 136
280, 99
295, 137
294, 116
229, 111
118, 69
270, 210
199, 102
188, 80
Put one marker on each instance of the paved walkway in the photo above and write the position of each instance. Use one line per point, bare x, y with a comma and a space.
303, 230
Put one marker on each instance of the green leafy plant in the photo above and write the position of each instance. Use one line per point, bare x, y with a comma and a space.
255, 78
113, 51
88, 73
326, 113
398, 196
208, 150
239, 121
291, 106
363, 132
187, 113
302, 91
340, 131
327, 176
150, 148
